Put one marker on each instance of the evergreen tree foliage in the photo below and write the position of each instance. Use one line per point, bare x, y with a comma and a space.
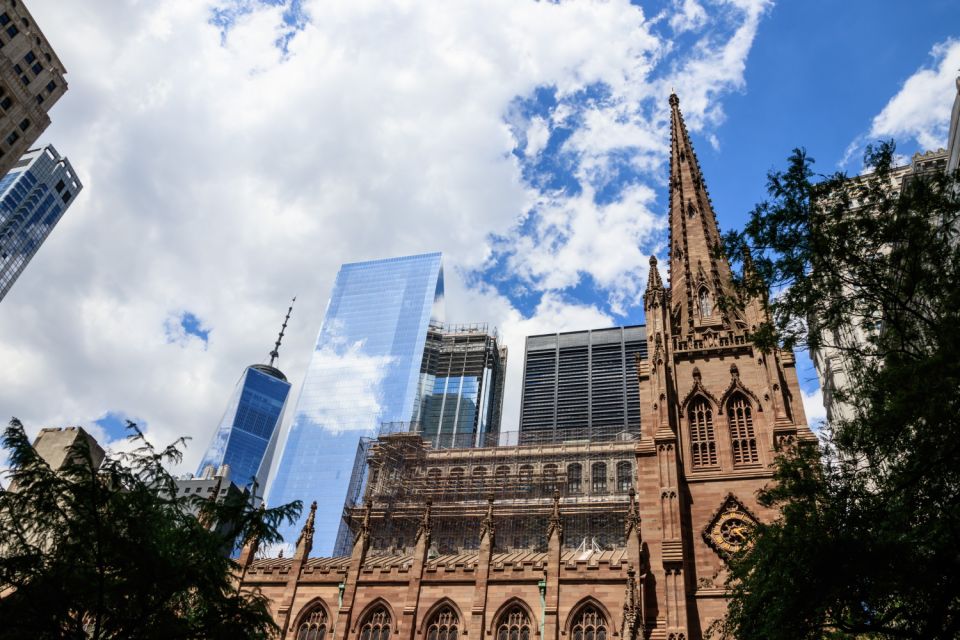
115, 552
867, 544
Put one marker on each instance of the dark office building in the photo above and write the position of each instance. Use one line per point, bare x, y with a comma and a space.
461, 394
581, 385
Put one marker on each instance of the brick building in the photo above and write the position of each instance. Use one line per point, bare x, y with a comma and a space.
595, 538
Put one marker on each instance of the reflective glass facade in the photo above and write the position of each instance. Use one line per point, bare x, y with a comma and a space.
246, 436
462, 393
33, 197
365, 371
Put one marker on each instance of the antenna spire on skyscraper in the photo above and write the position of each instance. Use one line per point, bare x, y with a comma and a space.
276, 347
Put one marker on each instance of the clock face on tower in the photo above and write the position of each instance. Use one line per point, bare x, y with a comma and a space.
729, 529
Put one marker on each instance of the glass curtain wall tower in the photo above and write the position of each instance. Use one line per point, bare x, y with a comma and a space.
33, 197
462, 394
365, 371
246, 436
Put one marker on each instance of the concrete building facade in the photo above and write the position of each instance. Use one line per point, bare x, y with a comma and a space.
31, 82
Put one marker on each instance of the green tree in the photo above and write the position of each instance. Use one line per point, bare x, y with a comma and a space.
867, 544
115, 553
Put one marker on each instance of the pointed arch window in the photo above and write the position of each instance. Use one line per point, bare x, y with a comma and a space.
589, 625
314, 625
703, 443
742, 436
705, 302
376, 626
444, 625
514, 624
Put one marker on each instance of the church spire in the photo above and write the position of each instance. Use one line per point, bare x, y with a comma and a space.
276, 347
698, 277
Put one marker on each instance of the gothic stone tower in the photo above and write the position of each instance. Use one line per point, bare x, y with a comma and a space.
714, 412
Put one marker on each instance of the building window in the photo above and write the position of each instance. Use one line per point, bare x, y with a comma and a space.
479, 477
456, 479
51, 86
12, 138
574, 477
24, 124
433, 477
742, 437
5, 103
314, 626
36, 68
526, 477
599, 477
444, 625
589, 625
514, 624
706, 304
377, 625
501, 476
703, 443
17, 69
624, 476
4, 19
30, 57
12, 30
549, 479
66, 197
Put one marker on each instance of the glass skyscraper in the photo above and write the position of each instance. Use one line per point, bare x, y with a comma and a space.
462, 386
365, 372
246, 436
33, 197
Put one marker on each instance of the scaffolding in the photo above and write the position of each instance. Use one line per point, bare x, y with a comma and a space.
592, 475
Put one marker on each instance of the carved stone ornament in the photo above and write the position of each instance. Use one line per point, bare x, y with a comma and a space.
729, 529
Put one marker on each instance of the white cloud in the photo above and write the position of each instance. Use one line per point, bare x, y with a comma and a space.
690, 16
920, 111
537, 136
814, 408
223, 176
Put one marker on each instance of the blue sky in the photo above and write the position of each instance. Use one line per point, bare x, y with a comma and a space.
235, 152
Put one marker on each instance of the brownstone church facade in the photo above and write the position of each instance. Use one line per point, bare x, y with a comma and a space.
593, 539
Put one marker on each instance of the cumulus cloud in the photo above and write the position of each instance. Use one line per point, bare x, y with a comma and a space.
920, 111
235, 153
814, 408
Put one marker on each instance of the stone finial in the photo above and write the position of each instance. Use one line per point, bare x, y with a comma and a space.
306, 534
486, 525
363, 533
555, 525
632, 519
426, 523
653, 278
